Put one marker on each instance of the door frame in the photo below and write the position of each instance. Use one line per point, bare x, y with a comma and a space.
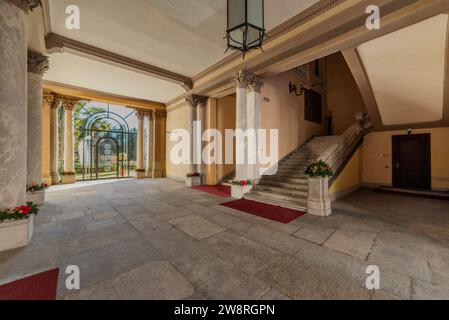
427, 155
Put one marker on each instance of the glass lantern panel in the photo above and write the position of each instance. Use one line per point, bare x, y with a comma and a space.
253, 37
255, 13
236, 13
236, 38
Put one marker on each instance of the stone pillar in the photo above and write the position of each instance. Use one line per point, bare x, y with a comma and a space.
54, 138
254, 102
149, 172
159, 144
241, 79
140, 142
13, 101
47, 103
211, 123
37, 65
192, 104
199, 137
69, 150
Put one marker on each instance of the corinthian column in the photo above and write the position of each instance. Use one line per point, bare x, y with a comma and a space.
13, 101
149, 173
192, 104
54, 139
159, 144
254, 101
37, 65
140, 139
47, 104
241, 80
69, 150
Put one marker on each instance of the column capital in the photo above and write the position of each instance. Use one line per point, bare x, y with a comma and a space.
48, 100
242, 78
26, 5
255, 83
37, 63
160, 115
194, 100
149, 115
68, 104
141, 115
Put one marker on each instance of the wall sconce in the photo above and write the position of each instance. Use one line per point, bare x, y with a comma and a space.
293, 89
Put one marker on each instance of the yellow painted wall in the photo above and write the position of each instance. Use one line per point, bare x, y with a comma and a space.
350, 177
177, 118
285, 112
377, 157
225, 120
343, 96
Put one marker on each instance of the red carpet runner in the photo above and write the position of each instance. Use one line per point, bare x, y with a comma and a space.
218, 190
263, 210
38, 287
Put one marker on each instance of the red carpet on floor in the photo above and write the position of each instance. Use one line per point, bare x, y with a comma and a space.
264, 210
41, 286
218, 190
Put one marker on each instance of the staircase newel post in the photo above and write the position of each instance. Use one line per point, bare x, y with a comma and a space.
319, 203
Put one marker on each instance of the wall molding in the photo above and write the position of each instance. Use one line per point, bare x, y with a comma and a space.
55, 42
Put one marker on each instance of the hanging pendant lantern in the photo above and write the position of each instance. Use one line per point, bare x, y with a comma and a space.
246, 25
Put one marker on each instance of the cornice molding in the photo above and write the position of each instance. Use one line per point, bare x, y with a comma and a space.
37, 63
55, 41
26, 5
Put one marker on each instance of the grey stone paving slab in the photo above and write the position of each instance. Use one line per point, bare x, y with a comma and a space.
243, 252
67, 216
219, 279
197, 227
315, 233
275, 294
426, 291
304, 281
353, 239
402, 261
155, 280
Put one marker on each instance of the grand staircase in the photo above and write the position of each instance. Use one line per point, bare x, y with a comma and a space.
289, 187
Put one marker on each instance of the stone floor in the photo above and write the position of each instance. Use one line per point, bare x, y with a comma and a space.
151, 239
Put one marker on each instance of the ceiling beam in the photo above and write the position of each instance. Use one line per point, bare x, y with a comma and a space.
99, 96
58, 43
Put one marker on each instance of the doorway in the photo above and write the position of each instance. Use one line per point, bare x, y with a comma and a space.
411, 162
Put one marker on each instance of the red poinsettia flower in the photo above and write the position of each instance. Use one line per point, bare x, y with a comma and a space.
243, 183
25, 210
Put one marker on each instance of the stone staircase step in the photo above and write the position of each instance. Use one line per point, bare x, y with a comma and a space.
285, 204
282, 190
286, 185
279, 196
289, 180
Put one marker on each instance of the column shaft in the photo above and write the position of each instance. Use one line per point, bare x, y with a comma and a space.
54, 139
159, 144
48, 101
150, 145
198, 139
254, 101
140, 139
192, 118
241, 124
37, 65
68, 139
13, 106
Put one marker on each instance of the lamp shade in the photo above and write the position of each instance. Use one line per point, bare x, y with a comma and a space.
246, 27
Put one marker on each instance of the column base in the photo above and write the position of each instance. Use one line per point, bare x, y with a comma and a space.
157, 174
140, 175
68, 179
54, 178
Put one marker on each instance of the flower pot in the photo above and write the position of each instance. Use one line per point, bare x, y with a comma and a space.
319, 203
239, 192
37, 197
140, 175
193, 181
68, 179
16, 234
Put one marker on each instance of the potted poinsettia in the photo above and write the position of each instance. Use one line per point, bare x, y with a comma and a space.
193, 179
36, 193
318, 202
16, 226
240, 187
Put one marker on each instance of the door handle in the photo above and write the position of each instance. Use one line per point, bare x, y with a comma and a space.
397, 165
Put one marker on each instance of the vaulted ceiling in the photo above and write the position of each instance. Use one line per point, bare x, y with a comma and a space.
180, 36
